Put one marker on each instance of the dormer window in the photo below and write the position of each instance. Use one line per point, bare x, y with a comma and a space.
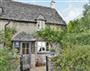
40, 23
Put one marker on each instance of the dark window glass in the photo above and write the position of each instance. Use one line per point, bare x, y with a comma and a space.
25, 48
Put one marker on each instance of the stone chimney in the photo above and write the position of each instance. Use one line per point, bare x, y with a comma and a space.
52, 4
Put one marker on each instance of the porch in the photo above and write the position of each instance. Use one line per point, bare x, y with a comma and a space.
28, 49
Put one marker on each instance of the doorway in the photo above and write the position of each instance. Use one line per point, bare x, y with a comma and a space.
31, 60
25, 49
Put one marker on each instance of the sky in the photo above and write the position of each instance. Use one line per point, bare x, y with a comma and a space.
68, 9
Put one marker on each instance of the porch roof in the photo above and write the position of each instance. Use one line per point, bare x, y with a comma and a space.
23, 36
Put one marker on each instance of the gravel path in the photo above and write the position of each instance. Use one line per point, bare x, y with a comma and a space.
43, 68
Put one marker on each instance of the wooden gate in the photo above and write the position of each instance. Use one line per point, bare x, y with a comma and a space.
26, 62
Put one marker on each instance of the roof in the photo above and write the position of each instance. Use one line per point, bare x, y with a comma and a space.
27, 12
23, 36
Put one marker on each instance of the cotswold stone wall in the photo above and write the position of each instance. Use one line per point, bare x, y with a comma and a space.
23, 26
19, 26
2, 24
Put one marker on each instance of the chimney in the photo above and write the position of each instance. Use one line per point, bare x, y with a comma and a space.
52, 4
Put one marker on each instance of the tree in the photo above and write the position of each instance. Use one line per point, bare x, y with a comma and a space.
75, 40
50, 35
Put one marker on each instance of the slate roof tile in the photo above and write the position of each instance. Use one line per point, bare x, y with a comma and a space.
27, 12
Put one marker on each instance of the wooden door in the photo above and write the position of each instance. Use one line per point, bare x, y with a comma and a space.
26, 55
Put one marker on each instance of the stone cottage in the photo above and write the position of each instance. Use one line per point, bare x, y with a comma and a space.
28, 19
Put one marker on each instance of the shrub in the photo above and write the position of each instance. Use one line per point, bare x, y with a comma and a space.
8, 59
74, 59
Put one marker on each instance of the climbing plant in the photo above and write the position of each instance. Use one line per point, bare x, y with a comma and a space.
9, 32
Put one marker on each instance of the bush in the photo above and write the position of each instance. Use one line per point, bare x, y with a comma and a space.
74, 59
8, 59
9, 32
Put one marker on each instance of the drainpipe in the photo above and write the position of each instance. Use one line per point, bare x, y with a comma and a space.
5, 28
47, 69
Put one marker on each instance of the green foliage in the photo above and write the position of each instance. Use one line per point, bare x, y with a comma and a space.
8, 59
9, 32
71, 26
82, 24
76, 38
75, 55
1, 36
74, 59
50, 35
52, 50
87, 10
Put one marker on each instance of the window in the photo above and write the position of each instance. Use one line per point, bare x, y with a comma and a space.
41, 46
16, 44
25, 48
33, 47
40, 25
40, 22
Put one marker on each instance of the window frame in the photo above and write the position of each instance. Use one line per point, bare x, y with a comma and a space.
41, 44
40, 25
41, 22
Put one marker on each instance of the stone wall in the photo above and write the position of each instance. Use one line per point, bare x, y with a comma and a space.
25, 26
2, 24
30, 28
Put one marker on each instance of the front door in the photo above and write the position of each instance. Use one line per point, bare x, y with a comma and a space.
31, 60
26, 55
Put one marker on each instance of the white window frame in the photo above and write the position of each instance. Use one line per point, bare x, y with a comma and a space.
40, 45
40, 25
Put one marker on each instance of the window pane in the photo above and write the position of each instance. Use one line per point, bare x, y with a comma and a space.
40, 25
33, 47
25, 48
41, 46
27, 51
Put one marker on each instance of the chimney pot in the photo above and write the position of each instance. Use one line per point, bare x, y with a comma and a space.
53, 4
